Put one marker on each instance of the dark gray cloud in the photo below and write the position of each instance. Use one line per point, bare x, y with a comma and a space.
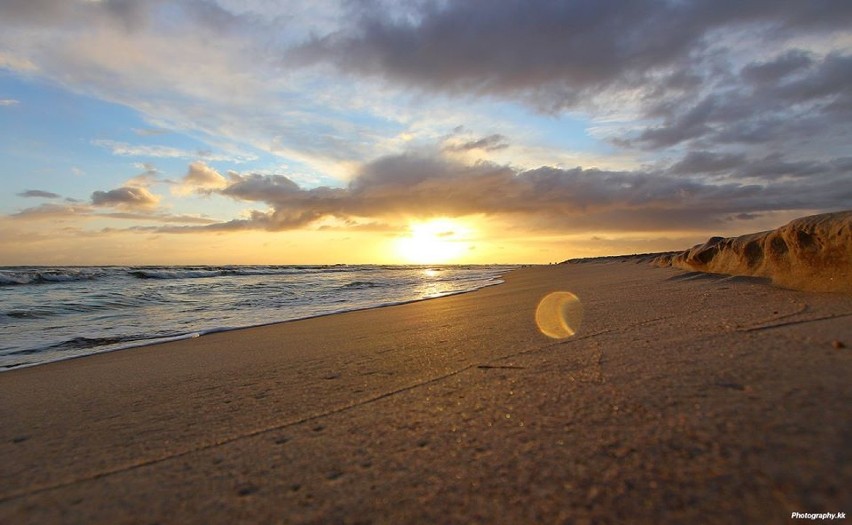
293, 207
125, 197
548, 198
690, 70
40, 194
131, 14
782, 103
771, 167
772, 71
775, 166
33, 10
555, 53
256, 187
708, 162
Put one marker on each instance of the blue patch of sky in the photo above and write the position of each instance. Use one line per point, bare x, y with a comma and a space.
59, 141
566, 132
47, 137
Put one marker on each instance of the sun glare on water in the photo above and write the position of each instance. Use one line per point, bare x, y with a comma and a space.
434, 241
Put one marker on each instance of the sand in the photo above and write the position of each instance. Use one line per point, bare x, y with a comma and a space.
810, 253
683, 398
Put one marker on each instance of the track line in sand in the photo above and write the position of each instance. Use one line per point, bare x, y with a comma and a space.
337, 410
794, 322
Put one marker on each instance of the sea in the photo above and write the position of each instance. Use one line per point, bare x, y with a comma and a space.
55, 313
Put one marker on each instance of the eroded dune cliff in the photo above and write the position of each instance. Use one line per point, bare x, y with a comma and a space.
810, 253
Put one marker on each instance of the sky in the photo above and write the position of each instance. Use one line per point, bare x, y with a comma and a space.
376, 131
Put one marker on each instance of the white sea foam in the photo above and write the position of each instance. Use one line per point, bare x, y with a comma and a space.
46, 275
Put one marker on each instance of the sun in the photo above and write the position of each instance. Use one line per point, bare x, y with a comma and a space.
434, 241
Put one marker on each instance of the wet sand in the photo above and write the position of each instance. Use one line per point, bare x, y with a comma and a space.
684, 397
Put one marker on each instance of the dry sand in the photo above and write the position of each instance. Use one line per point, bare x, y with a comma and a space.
810, 253
684, 398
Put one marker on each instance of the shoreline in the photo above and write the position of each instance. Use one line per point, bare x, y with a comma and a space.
455, 410
201, 333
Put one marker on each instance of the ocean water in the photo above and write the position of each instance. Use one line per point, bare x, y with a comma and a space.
54, 313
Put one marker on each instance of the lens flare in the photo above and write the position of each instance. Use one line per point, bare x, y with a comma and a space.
559, 315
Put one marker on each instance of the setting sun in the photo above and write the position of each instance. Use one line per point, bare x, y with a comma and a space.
434, 241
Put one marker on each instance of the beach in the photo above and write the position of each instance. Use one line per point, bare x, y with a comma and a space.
682, 397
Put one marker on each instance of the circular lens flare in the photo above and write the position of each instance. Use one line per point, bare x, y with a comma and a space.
559, 315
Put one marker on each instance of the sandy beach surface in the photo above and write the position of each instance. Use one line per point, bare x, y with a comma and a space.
683, 398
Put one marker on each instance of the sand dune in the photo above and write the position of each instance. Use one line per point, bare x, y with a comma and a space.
811, 253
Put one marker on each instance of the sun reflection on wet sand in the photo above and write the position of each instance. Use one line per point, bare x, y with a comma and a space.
559, 315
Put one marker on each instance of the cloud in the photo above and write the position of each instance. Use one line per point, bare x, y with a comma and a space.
40, 194
200, 178
768, 168
670, 64
553, 54
707, 162
791, 99
775, 166
6, 102
661, 74
772, 71
150, 132
129, 150
418, 185
52, 212
490, 143
37, 11
294, 207
159, 217
125, 197
262, 187
17, 63
725, 77
146, 179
